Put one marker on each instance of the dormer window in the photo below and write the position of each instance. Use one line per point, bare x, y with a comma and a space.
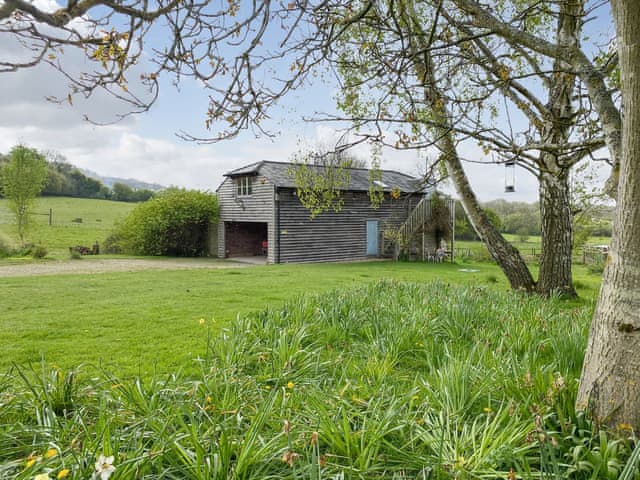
244, 185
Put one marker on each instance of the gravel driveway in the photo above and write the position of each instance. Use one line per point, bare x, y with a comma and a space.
98, 265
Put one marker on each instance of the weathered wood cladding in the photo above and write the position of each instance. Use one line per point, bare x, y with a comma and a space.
272, 238
257, 207
221, 240
334, 236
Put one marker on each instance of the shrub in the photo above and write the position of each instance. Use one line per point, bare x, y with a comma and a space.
523, 235
39, 251
597, 268
174, 223
111, 244
24, 251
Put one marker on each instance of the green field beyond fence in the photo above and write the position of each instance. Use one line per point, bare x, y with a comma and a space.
74, 221
531, 249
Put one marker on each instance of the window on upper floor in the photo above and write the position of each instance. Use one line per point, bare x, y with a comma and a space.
244, 185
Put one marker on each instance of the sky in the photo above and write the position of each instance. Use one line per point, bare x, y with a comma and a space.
146, 147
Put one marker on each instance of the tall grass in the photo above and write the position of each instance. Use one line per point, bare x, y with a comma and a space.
391, 380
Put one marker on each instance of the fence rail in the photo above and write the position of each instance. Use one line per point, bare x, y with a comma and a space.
586, 255
50, 215
6, 217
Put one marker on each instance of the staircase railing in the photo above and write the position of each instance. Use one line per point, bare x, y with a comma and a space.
420, 215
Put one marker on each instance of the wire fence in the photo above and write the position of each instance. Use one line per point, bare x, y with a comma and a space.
8, 217
585, 255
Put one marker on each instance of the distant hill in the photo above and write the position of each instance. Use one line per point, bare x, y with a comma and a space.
67, 180
131, 182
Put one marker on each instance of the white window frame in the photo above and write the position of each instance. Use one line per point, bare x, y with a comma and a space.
244, 186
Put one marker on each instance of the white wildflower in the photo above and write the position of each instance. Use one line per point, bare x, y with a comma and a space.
104, 467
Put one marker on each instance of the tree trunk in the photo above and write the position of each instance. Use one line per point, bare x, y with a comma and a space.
609, 386
556, 233
505, 254
555, 211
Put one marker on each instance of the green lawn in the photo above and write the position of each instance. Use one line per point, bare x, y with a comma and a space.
386, 380
98, 218
136, 322
375, 370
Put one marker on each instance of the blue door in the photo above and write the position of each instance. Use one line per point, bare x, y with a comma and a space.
372, 237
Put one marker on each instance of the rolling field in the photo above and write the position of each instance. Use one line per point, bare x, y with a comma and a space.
94, 221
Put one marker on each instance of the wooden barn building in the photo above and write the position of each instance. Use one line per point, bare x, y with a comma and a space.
260, 214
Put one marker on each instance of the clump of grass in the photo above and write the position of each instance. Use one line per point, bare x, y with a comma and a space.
491, 278
391, 380
39, 251
597, 267
579, 284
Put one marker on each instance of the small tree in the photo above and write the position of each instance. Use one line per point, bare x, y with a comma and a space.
22, 180
320, 179
523, 235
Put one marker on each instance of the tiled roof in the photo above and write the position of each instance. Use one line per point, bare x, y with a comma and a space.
279, 174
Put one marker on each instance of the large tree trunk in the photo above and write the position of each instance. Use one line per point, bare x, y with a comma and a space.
610, 383
556, 218
555, 211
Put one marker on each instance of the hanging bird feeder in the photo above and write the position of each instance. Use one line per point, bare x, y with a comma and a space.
510, 176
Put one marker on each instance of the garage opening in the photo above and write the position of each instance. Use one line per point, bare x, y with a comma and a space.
245, 239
